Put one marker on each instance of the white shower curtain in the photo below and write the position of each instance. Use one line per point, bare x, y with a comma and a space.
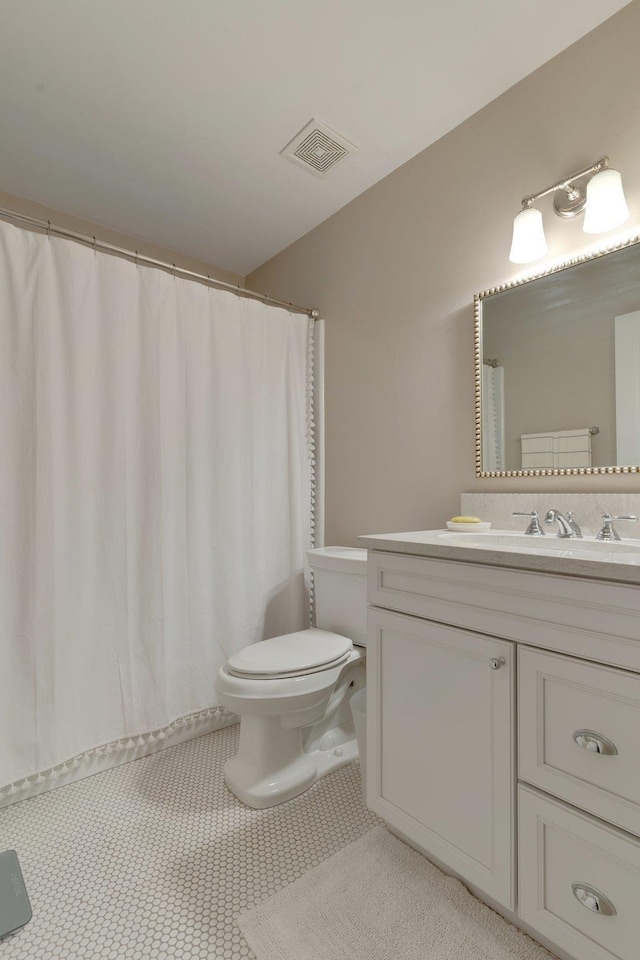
155, 495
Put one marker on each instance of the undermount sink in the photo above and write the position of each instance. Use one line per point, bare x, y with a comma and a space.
626, 551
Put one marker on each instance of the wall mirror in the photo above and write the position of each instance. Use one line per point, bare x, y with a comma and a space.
558, 369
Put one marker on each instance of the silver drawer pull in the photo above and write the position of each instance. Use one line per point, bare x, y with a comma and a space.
593, 900
595, 742
496, 662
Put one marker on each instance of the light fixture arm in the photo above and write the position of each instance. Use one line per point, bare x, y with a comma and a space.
567, 184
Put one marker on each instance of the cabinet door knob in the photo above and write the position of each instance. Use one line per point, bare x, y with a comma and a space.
592, 899
595, 742
496, 662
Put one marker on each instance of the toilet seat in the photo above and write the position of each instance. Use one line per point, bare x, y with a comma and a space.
292, 655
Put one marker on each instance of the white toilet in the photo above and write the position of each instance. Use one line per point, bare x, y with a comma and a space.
292, 692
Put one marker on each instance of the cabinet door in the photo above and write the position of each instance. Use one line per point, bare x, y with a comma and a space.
440, 744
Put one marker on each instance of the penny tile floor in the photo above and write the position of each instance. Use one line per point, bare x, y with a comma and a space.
156, 858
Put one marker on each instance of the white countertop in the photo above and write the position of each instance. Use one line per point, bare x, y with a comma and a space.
619, 561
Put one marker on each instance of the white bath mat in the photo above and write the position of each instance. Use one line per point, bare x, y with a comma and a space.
377, 899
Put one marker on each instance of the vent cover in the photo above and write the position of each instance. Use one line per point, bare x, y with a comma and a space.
318, 149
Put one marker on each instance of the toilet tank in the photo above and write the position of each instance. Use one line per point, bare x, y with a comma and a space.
340, 589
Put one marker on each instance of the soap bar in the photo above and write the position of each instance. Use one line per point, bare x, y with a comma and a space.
465, 520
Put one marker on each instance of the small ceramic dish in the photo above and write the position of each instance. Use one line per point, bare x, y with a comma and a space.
469, 527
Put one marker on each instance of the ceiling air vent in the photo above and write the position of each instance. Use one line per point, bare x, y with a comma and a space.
318, 149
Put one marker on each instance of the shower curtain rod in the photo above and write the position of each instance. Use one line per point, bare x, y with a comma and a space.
50, 228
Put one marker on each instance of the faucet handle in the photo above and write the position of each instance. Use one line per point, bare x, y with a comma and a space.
534, 529
608, 531
573, 523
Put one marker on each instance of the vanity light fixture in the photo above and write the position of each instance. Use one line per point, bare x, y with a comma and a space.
529, 242
606, 204
603, 202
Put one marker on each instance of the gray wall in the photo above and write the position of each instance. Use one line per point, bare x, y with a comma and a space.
395, 271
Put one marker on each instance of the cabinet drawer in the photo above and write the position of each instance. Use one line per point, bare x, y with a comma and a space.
584, 618
567, 856
562, 700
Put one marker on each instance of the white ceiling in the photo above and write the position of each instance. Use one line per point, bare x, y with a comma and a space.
164, 118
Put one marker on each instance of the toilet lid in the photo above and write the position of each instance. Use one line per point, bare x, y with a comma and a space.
293, 654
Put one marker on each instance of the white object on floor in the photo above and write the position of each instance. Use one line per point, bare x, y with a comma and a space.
291, 692
378, 899
153, 860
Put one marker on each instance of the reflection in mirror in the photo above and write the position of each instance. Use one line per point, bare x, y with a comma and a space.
558, 369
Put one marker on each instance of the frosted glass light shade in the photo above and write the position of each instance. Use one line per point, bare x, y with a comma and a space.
606, 205
529, 242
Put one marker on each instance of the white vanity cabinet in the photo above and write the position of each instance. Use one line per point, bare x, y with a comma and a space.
446, 769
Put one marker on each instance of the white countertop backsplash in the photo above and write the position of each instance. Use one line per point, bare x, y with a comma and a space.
587, 509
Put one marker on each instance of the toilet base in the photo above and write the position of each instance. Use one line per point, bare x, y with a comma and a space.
270, 769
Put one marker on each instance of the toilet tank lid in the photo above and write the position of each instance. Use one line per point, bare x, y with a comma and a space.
346, 559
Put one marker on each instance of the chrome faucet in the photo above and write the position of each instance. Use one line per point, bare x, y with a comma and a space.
608, 531
534, 529
567, 526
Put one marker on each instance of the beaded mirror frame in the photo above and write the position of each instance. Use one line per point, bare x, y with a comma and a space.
477, 308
